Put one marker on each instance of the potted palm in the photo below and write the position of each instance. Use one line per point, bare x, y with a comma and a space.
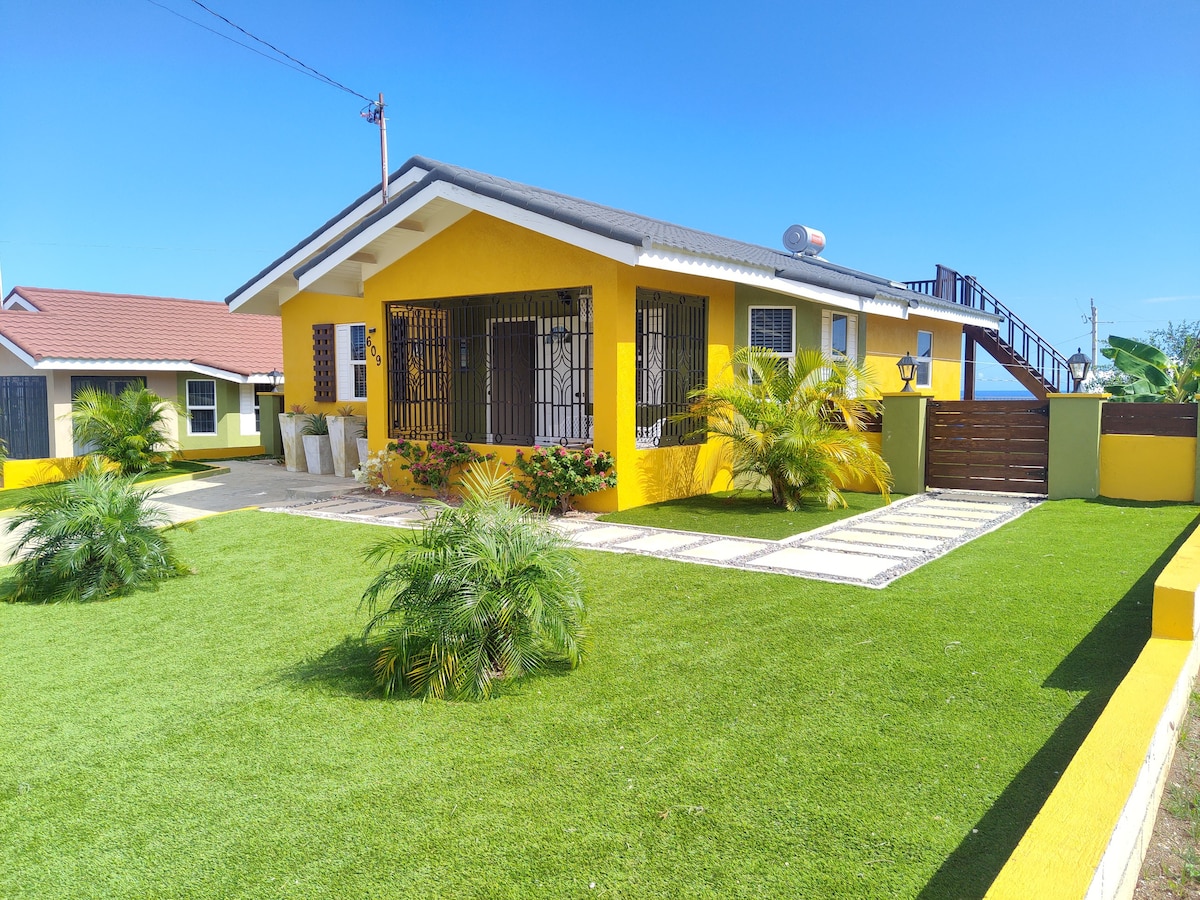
343, 432
290, 425
318, 452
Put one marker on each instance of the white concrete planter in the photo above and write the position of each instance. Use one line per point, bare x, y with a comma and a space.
363, 451
319, 454
343, 433
293, 449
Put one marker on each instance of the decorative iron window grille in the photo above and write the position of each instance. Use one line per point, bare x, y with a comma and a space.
672, 359
497, 369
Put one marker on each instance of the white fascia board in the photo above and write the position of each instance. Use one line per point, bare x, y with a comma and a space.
723, 270
18, 352
16, 301
143, 365
497, 209
963, 316
312, 247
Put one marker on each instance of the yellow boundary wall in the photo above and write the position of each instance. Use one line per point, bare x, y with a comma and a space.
1090, 838
1146, 467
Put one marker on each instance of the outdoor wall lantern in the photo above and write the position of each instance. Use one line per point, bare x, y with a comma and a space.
275, 375
908, 371
558, 333
1078, 364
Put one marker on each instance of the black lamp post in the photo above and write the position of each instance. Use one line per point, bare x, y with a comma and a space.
1078, 365
908, 371
275, 375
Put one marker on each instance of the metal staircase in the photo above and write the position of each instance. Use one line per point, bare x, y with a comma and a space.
1026, 355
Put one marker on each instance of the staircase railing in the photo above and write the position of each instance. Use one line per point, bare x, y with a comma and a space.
1027, 346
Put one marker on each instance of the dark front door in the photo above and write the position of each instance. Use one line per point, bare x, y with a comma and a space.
24, 416
512, 388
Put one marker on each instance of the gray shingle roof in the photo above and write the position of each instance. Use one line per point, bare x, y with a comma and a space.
620, 225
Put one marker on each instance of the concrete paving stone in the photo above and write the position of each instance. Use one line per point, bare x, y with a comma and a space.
897, 528
887, 540
722, 550
661, 543
931, 519
995, 509
380, 512
608, 535
566, 526
822, 562
844, 547
972, 514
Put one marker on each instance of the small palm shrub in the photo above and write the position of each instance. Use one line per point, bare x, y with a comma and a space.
90, 538
318, 423
554, 477
130, 429
797, 428
481, 593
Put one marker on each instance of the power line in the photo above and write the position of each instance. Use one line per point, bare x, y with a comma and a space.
319, 75
300, 66
232, 40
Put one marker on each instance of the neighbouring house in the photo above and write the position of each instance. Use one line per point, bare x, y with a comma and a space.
194, 352
475, 308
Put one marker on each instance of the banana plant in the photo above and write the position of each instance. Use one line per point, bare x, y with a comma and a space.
1154, 377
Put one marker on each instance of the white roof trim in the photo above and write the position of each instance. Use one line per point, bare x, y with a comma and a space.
327, 236
15, 300
17, 351
149, 365
498, 209
708, 267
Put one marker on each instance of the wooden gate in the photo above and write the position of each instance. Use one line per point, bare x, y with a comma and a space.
988, 445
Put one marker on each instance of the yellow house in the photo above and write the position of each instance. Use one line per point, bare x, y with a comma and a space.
473, 308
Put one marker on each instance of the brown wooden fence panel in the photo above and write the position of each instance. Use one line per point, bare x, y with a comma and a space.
1158, 419
988, 445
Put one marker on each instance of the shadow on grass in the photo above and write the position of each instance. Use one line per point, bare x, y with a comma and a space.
1096, 665
343, 670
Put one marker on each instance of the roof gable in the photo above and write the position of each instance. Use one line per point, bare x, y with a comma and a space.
432, 195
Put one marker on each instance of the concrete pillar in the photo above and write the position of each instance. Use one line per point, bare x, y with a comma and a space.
904, 439
269, 408
1074, 445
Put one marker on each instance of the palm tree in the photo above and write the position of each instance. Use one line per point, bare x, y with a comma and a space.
129, 429
90, 538
798, 428
482, 592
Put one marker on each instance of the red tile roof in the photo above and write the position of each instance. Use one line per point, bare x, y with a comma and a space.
80, 325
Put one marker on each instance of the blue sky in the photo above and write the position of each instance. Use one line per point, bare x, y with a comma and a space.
1050, 149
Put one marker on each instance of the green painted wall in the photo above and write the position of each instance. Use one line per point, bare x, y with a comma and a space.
903, 444
1074, 468
229, 426
807, 316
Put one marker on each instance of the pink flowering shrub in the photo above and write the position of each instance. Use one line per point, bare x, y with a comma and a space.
432, 465
555, 476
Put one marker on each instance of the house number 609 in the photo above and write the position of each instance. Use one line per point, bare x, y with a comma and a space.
374, 353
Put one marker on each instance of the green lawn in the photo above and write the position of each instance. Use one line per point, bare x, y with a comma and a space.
747, 514
14, 497
733, 734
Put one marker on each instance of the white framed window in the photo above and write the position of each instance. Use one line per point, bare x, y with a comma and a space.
924, 359
351, 351
839, 334
202, 406
774, 328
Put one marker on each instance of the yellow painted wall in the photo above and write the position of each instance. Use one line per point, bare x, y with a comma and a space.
889, 339
1145, 467
27, 472
480, 255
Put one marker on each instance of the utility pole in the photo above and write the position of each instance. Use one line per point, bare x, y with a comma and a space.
1095, 323
374, 114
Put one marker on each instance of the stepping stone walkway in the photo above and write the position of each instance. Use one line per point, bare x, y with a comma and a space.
872, 549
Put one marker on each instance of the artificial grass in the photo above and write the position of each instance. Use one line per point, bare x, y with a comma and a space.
14, 497
732, 734
749, 514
